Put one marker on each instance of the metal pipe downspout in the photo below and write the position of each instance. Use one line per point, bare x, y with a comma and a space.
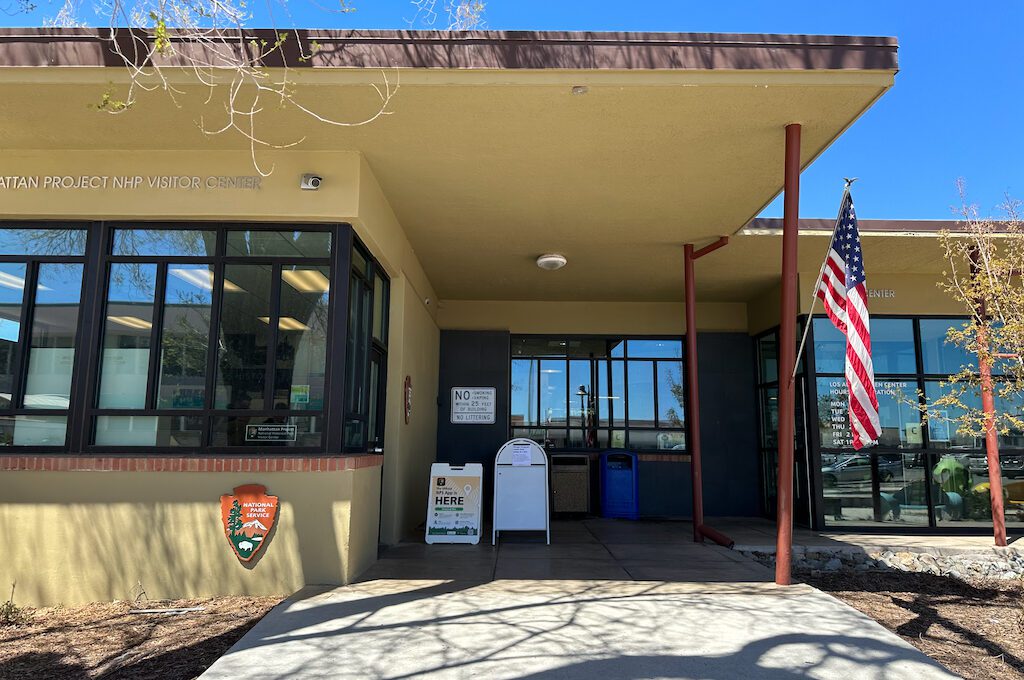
692, 398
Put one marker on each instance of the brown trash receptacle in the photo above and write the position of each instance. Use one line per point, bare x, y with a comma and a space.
570, 482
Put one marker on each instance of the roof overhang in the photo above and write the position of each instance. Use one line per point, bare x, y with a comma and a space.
489, 158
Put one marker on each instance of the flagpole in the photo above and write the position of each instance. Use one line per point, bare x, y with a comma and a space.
821, 273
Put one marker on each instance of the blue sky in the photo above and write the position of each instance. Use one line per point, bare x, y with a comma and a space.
955, 110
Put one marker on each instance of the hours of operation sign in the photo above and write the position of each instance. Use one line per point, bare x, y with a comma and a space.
473, 405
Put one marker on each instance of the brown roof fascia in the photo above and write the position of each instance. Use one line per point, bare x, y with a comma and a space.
489, 50
875, 226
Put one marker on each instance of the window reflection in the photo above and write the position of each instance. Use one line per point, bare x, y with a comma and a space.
302, 338
892, 346
296, 244
185, 336
12, 293
165, 242
128, 328
244, 337
54, 327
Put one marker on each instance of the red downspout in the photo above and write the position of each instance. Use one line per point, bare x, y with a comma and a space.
787, 358
693, 402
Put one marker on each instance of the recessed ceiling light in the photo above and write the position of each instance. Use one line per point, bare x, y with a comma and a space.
131, 322
306, 280
580, 89
551, 261
286, 323
202, 278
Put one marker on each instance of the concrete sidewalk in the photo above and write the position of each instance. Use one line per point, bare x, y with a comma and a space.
569, 630
606, 600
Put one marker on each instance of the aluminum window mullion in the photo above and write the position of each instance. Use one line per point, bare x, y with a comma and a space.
152, 379
24, 336
270, 372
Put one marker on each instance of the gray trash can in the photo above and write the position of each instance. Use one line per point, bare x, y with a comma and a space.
570, 482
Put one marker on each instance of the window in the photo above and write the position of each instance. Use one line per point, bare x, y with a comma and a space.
922, 473
366, 364
41, 274
570, 392
214, 337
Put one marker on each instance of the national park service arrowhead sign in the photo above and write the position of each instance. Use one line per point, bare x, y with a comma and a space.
248, 515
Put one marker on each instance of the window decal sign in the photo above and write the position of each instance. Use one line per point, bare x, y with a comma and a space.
473, 405
248, 516
271, 432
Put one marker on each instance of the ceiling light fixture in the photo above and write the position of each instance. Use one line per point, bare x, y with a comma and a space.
551, 261
306, 280
286, 323
131, 322
580, 89
202, 278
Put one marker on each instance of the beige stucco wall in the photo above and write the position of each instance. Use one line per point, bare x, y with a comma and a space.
84, 536
410, 448
895, 294
330, 523
631, 318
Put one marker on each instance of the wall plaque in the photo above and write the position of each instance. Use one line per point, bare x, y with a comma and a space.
271, 432
248, 515
473, 405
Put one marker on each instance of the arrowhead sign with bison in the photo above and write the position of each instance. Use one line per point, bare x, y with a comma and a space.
248, 515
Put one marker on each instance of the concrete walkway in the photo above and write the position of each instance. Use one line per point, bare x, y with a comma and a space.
607, 600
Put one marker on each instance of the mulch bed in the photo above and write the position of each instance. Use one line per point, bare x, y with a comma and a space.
103, 640
974, 628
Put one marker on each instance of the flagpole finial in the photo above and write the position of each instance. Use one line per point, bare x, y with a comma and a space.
850, 180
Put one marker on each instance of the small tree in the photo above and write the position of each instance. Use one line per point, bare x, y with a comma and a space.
985, 261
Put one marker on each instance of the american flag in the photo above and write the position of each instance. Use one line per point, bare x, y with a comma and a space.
844, 293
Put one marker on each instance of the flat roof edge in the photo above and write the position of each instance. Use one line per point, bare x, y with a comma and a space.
495, 49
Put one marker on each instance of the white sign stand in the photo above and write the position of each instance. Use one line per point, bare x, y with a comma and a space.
521, 489
454, 501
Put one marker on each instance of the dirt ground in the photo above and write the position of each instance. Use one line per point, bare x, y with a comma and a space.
975, 629
105, 641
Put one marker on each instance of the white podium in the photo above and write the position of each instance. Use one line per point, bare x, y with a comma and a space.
521, 489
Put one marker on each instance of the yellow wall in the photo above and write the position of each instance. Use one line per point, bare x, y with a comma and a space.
76, 537
330, 522
900, 294
627, 318
413, 351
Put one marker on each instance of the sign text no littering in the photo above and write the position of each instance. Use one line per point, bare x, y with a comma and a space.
473, 405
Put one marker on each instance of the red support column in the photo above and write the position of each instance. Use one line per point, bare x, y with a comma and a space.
693, 403
692, 397
787, 357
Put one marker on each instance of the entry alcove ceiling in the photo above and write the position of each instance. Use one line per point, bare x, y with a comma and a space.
493, 160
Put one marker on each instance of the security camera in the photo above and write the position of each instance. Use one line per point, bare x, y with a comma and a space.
310, 182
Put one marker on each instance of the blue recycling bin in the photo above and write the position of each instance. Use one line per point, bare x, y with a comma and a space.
620, 485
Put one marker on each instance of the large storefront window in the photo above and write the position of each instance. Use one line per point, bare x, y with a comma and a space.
41, 273
596, 393
184, 336
922, 473
214, 337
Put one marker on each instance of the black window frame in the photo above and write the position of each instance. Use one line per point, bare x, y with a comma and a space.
357, 371
97, 261
567, 429
925, 455
22, 350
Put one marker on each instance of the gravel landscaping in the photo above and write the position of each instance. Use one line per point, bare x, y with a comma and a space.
965, 610
104, 640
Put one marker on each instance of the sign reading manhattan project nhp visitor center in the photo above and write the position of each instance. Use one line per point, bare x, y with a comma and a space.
130, 182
